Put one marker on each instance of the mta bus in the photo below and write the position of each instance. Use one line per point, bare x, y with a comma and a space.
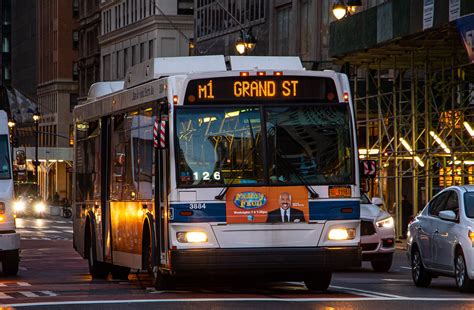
209, 165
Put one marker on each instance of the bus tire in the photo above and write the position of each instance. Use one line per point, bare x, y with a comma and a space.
318, 281
10, 262
120, 272
98, 270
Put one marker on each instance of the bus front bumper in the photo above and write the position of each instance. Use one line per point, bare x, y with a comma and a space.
264, 260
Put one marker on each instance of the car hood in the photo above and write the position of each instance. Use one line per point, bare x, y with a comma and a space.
372, 212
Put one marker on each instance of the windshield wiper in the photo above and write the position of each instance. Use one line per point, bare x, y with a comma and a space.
290, 169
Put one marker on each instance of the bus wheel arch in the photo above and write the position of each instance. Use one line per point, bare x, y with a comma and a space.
97, 269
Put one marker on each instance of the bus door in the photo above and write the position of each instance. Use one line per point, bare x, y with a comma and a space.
162, 188
105, 193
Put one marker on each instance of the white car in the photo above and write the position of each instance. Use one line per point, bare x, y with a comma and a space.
377, 235
441, 238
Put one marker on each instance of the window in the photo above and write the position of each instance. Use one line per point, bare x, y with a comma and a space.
469, 204
106, 67
151, 53
310, 144
125, 61
132, 156
222, 146
185, 7
283, 31
6, 45
304, 31
75, 40
75, 71
142, 52
134, 54
75, 8
87, 161
452, 203
438, 203
4, 158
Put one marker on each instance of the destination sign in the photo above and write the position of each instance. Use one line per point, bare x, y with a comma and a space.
259, 88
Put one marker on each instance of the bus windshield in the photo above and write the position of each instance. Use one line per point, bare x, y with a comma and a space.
305, 144
4, 158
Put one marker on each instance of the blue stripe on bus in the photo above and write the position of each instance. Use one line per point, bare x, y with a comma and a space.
216, 212
331, 210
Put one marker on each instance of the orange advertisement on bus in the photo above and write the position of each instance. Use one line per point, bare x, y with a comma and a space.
267, 205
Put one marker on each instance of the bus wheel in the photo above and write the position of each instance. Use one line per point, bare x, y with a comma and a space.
160, 281
10, 262
98, 270
119, 272
318, 281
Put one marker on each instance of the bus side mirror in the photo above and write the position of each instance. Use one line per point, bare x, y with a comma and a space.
119, 164
20, 157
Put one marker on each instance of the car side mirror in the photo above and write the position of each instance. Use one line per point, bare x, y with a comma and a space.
377, 201
448, 215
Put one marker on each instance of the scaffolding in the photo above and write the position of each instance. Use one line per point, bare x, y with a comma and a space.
414, 109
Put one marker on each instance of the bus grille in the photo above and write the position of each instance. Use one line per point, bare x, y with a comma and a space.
367, 228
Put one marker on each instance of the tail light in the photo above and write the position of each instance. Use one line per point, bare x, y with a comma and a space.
2, 208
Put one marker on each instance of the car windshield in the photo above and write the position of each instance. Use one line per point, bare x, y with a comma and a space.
469, 204
4, 158
304, 144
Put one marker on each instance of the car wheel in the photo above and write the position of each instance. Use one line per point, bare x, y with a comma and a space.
421, 277
10, 262
383, 265
319, 281
462, 279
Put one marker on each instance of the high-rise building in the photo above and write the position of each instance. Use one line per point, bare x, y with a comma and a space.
136, 30
89, 51
57, 90
23, 47
5, 38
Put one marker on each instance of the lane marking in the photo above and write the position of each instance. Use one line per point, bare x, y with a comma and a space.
404, 267
28, 294
49, 293
375, 294
23, 284
322, 299
397, 280
4, 296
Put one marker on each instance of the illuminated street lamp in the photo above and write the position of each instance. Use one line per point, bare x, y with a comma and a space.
246, 42
36, 118
339, 9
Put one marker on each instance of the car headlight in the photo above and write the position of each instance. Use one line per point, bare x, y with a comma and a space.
40, 207
385, 223
19, 206
342, 234
191, 237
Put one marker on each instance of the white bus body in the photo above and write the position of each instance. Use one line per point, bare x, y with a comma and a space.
9, 239
122, 226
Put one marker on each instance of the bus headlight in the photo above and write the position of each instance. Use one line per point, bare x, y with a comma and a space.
385, 223
342, 234
191, 237
19, 206
40, 207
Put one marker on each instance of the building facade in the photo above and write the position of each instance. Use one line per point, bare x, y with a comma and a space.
24, 49
89, 51
5, 38
136, 30
57, 90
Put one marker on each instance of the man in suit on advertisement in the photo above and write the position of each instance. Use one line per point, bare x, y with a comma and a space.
285, 213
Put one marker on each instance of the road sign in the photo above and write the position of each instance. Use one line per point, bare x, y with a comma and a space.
369, 168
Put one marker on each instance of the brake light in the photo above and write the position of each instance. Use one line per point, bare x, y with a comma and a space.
175, 99
345, 96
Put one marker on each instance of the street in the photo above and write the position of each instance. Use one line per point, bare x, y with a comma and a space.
53, 276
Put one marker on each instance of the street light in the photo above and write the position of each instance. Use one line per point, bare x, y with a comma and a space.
246, 42
36, 118
339, 9
11, 125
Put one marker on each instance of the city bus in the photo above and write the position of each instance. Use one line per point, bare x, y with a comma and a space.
209, 165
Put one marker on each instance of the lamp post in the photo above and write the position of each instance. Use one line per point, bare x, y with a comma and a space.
11, 125
36, 118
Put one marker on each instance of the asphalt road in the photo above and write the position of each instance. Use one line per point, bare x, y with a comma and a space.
53, 276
